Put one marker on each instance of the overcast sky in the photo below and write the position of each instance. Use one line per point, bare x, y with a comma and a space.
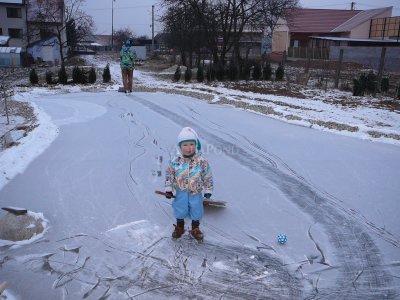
136, 14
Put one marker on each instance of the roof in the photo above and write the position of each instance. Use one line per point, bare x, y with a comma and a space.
49, 41
362, 17
4, 39
16, 50
334, 38
318, 20
103, 39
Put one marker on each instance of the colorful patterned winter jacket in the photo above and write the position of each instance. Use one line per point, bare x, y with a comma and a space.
189, 174
127, 58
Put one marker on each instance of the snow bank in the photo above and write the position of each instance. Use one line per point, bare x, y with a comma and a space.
15, 160
320, 111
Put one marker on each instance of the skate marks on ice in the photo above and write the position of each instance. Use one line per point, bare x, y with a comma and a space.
139, 258
276, 162
355, 251
136, 151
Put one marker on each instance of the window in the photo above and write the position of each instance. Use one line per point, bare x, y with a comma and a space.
15, 33
385, 28
1, 31
13, 12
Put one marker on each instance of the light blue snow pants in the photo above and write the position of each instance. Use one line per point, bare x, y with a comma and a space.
187, 205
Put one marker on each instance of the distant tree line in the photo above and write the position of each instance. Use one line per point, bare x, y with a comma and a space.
195, 26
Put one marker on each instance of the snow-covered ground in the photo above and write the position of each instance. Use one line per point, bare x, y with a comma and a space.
321, 110
334, 196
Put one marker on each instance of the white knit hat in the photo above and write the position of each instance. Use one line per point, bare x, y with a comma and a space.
188, 134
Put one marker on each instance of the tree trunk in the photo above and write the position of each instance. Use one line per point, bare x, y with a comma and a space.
60, 43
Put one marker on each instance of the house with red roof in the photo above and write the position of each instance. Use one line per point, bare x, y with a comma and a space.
306, 29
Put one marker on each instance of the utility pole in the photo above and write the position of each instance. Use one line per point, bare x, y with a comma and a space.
152, 28
353, 5
112, 25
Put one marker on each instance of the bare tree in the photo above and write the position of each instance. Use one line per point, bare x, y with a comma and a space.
183, 31
121, 35
52, 18
221, 24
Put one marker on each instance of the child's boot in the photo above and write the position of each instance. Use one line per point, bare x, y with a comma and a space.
179, 229
195, 232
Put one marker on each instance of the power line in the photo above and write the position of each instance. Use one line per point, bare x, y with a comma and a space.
121, 7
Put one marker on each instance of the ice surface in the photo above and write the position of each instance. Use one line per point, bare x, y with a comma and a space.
335, 197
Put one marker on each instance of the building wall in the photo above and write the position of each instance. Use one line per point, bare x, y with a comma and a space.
280, 41
362, 30
368, 56
48, 51
17, 23
280, 37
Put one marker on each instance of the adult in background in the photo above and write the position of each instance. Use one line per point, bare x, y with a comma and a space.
127, 57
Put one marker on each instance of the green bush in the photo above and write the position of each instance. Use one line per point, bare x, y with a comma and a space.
200, 73
232, 71
385, 85
62, 75
177, 74
267, 71
106, 74
76, 75
210, 74
188, 75
244, 71
363, 82
257, 71
33, 77
358, 88
92, 75
49, 77
220, 72
84, 79
371, 82
279, 73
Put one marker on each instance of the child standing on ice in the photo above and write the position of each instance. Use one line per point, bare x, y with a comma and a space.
189, 175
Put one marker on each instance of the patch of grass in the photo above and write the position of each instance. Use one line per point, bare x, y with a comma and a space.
377, 134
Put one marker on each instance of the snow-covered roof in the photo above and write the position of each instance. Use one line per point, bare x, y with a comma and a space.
16, 50
49, 41
12, 1
4, 39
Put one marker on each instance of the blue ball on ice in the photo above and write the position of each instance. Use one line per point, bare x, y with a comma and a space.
282, 238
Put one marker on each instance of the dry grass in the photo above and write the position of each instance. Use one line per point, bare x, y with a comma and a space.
266, 88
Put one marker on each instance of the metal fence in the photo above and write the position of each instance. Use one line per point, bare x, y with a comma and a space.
306, 52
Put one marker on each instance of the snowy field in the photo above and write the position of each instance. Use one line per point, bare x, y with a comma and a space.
362, 117
94, 176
